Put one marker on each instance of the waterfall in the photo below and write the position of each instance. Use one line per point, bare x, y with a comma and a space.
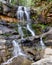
17, 50
42, 43
20, 15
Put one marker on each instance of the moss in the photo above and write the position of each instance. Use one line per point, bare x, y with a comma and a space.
27, 33
7, 35
38, 28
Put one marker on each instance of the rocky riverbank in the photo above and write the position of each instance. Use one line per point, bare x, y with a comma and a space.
30, 46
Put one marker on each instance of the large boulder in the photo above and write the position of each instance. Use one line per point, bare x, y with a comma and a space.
45, 61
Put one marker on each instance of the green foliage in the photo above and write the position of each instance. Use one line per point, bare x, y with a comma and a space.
21, 2
34, 2
25, 2
49, 0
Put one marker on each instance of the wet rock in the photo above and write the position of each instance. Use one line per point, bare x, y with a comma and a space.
14, 37
49, 36
3, 53
4, 29
5, 8
27, 43
3, 23
33, 52
9, 43
5, 50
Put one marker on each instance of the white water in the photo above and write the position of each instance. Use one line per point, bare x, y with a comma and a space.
17, 50
9, 61
42, 43
20, 31
20, 16
32, 32
27, 13
20, 13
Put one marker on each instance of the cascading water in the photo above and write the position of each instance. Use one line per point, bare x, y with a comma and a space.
20, 16
20, 31
20, 13
27, 13
32, 32
42, 43
17, 50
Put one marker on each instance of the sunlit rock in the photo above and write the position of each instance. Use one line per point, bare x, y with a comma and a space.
45, 61
20, 60
48, 52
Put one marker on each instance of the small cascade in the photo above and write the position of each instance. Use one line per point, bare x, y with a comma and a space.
9, 61
27, 13
20, 13
20, 16
17, 50
20, 31
42, 43
32, 32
